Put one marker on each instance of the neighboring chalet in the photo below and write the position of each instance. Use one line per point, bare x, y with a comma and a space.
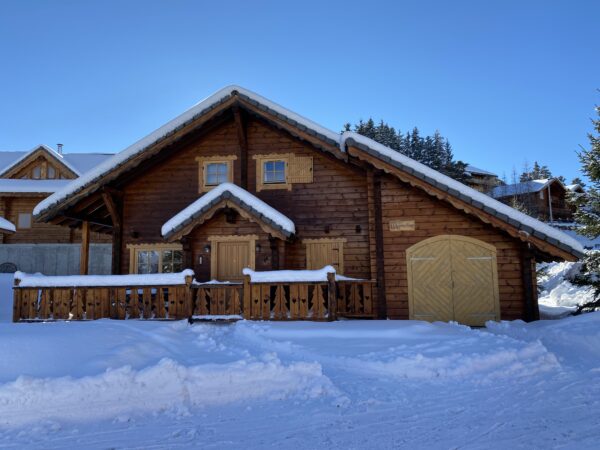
238, 181
544, 199
481, 180
26, 178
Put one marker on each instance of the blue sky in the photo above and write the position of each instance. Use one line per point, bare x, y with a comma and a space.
506, 81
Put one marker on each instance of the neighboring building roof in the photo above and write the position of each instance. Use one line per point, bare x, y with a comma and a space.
77, 162
525, 187
238, 197
6, 226
477, 199
12, 185
476, 171
575, 188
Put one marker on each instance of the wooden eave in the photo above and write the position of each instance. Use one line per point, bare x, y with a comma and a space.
469, 206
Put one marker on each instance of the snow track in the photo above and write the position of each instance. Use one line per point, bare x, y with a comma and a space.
354, 384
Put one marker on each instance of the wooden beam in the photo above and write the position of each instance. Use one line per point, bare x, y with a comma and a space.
114, 210
379, 254
240, 126
84, 260
532, 311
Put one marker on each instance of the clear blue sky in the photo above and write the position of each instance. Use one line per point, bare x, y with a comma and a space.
505, 81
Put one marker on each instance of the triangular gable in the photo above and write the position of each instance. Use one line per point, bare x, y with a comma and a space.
228, 195
31, 155
467, 199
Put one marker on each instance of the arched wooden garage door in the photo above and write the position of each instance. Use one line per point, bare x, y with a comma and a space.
453, 278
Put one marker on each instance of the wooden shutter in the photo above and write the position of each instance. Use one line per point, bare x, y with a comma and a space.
300, 169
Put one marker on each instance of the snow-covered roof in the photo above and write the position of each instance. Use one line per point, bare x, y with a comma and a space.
77, 162
473, 197
6, 226
14, 185
238, 196
574, 188
526, 187
151, 279
476, 171
455, 188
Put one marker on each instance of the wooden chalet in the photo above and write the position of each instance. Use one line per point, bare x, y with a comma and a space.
544, 199
26, 178
240, 182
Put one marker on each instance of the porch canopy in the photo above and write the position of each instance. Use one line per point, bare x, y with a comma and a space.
228, 195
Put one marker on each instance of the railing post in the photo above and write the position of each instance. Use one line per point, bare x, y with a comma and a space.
332, 296
16, 301
247, 294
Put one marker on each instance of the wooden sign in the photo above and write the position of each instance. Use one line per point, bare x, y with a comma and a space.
402, 225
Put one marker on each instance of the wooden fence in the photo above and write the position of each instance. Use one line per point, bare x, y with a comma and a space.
251, 300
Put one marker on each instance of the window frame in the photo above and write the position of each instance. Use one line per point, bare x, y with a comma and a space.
204, 161
136, 249
261, 160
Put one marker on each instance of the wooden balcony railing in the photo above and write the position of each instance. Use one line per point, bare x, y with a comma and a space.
319, 300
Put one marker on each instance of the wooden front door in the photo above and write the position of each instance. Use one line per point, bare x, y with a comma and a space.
453, 278
324, 252
230, 255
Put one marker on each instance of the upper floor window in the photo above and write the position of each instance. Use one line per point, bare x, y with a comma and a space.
36, 173
51, 172
216, 173
274, 171
214, 170
24, 221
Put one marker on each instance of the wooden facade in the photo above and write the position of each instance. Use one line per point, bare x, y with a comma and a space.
359, 212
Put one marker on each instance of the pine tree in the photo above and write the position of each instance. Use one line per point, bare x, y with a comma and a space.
588, 213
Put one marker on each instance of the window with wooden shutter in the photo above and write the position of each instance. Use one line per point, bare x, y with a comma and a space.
214, 170
297, 169
324, 252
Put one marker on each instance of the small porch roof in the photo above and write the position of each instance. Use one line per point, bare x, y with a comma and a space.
231, 196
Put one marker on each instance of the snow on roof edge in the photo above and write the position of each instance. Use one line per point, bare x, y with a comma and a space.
168, 128
480, 200
52, 153
261, 208
7, 225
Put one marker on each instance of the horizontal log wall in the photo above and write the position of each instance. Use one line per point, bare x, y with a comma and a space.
432, 218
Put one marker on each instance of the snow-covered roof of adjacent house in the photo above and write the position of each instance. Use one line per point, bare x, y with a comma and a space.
237, 196
6, 226
14, 185
526, 187
77, 162
574, 188
386, 154
477, 171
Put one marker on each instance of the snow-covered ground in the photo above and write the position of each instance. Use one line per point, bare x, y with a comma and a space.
348, 384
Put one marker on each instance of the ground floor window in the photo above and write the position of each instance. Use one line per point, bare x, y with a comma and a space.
157, 258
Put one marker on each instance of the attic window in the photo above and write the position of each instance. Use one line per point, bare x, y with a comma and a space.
281, 171
214, 170
36, 174
51, 174
24, 221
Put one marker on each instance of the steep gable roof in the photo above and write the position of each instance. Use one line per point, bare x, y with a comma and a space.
525, 187
504, 216
78, 162
47, 151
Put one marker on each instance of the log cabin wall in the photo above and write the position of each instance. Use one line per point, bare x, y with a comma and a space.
433, 217
39, 233
334, 205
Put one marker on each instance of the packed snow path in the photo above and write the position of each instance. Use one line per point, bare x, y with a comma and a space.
352, 384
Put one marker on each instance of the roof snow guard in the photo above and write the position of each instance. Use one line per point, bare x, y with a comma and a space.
517, 219
236, 197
